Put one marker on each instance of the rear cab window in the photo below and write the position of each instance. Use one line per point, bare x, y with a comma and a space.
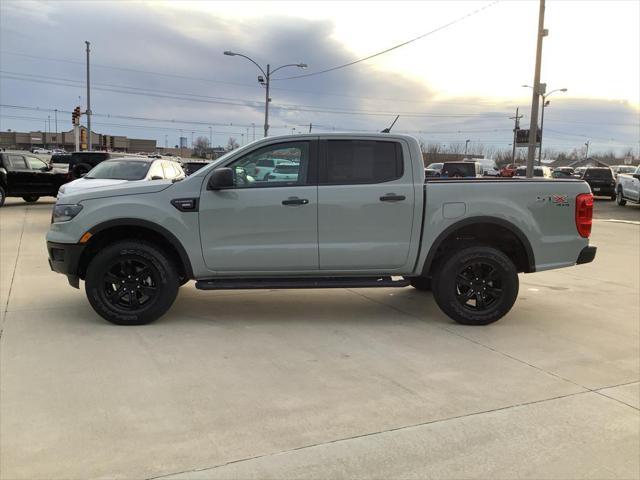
361, 162
598, 173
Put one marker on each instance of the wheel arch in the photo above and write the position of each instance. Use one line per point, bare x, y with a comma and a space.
135, 228
503, 235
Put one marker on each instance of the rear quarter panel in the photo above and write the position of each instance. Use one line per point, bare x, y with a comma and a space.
543, 210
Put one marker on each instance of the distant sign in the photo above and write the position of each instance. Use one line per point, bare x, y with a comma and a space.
522, 138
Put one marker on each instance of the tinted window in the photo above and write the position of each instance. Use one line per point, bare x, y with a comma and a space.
120, 170
460, 169
362, 161
60, 159
17, 162
600, 173
255, 169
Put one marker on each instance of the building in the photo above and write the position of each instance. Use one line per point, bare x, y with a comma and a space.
66, 140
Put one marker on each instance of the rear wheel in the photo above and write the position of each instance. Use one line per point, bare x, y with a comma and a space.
476, 285
620, 199
3, 194
131, 283
30, 198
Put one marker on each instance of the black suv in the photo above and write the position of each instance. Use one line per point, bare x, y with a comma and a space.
25, 175
81, 162
601, 181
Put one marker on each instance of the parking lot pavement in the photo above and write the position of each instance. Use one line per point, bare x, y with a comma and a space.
373, 383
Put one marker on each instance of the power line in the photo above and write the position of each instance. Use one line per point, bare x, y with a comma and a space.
442, 27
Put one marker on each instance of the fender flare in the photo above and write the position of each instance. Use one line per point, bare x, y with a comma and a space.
531, 262
166, 234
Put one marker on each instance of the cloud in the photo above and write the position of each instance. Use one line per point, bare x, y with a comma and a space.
182, 43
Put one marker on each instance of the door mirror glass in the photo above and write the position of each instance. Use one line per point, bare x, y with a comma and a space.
221, 178
156, 177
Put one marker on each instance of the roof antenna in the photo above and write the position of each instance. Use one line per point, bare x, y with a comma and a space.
387, 130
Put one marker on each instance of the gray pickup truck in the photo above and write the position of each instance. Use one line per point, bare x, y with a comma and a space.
351, 211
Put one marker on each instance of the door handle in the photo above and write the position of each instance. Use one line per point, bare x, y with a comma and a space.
392, 197
295, 201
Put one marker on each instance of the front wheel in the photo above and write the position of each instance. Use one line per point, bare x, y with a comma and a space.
476, 285
31, 198
131, 283
620, 199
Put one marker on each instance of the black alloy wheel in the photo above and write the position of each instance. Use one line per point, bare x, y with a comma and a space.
476, 285
130, 284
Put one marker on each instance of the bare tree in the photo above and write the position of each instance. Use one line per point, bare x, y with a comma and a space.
232, 144
200, 147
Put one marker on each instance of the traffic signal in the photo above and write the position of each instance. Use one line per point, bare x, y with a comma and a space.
75, 116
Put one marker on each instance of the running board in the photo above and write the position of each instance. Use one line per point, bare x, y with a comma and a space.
300, 282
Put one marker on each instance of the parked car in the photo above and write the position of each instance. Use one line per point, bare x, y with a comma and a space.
601, 181
431, 172
577, 173
508, 170
60, 162
192, 166
616, 169
124, 170
567, 170
81, 162
461, 170
489, 167
25, 175
359, 215
264, 166
285, 171
628, 187
538, 171
435, 166
561, 174
43, 151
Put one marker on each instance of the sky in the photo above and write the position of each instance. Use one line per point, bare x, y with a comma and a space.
158, 69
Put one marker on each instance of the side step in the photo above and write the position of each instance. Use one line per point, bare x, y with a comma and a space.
300, 282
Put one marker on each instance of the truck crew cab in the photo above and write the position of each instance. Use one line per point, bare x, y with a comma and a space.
356, 212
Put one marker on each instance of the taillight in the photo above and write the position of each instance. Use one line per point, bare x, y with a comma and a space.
584, 214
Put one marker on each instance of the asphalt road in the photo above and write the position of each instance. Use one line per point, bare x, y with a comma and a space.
349, 383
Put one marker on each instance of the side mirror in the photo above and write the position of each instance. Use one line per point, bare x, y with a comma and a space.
220, 178
636, 175
157, 177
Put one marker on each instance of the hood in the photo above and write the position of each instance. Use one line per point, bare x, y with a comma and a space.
88, 189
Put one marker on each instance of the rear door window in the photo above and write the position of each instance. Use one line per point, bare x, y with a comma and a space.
17, 162
361, 161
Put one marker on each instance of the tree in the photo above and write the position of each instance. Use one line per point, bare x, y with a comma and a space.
232, 144
200, 147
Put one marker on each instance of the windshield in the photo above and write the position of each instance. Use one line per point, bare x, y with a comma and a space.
120, 170
598, 173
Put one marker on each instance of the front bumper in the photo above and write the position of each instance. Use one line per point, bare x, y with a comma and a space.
587, 254
65, 258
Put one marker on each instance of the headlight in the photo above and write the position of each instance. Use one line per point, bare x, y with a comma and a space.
64, 213
62, 189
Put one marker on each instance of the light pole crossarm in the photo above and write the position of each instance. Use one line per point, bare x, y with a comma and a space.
300, 65
233, 54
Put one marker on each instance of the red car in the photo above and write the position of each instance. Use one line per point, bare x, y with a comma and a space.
508, 171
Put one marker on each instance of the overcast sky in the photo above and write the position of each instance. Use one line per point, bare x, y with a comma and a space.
153, 62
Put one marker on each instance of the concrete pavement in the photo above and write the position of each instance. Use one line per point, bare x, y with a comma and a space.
366, 383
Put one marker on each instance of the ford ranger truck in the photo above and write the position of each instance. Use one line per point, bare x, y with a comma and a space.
628, 187
353, 211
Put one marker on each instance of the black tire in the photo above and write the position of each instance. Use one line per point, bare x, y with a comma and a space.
613, 197
421, 283
131, 283
620, 199
80, 170
476, 285
3, 195
30, 198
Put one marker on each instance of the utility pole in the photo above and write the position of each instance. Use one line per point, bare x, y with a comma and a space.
586, 153
88, 100
166, 141
56, 122
516, 127
466, 146
210, 137
254, 130
535, 96
310, 126
266, 102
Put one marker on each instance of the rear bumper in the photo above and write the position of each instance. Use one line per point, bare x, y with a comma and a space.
586, 255
65, 258
602, 190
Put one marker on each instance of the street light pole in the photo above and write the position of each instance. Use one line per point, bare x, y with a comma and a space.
533, 129
586, 153
545, 103
266, 81
466, 145
88, 100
